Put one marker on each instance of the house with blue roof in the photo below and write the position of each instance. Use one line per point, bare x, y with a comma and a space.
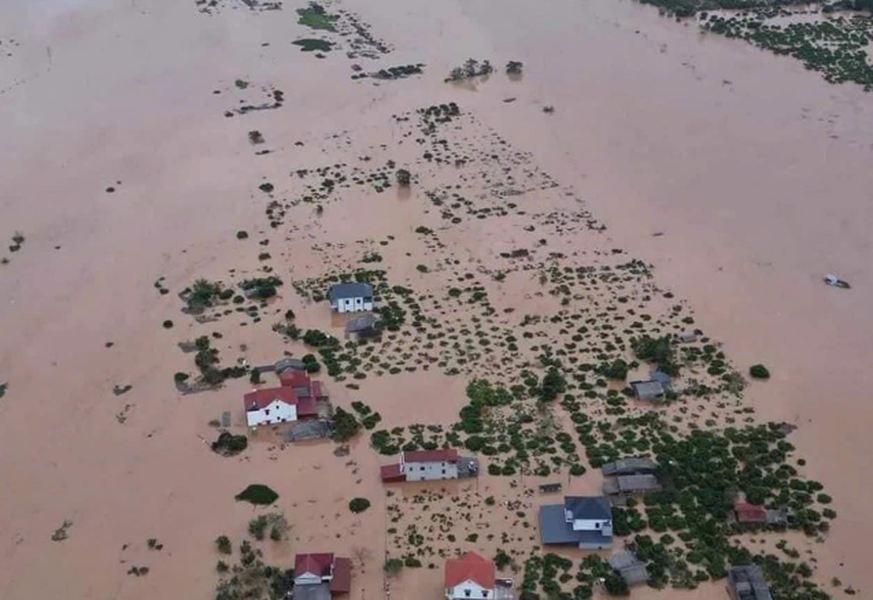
582, 521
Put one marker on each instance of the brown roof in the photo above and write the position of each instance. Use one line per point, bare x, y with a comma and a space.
392, 473
470, 566
342, 576
750, 513
450, 455
260, 399
317, 564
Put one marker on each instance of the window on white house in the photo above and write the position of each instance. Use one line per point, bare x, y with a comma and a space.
597, 526
467, 593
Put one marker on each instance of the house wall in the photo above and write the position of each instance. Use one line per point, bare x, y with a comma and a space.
276, 412
604, 525
468, 589
429, 471
358, 304
307, 579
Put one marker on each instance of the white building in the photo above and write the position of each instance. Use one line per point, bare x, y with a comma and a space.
270, 406
351, 297
469, 576
428, 465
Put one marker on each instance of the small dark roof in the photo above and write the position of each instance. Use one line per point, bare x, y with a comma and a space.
749, 583
550, 487
554, 528
631, 569
350, 290
319, 591
289, 363
629, 466
648, 390
361, 323
588, 507
661, 377
631, 484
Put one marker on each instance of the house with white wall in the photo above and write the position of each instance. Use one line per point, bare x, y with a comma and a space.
430, 465
470, 576
321, 576
583, 521
350, 297
270, 406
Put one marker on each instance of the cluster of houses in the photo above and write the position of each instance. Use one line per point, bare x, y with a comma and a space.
298, 397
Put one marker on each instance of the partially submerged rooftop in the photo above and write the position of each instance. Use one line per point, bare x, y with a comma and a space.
342, 291
629, 466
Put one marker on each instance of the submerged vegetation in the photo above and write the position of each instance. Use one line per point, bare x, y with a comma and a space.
258, 494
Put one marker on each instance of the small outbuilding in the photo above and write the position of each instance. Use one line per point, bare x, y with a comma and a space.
748, 583
630, 466
651, 390
351, 297
631, 569
631, 485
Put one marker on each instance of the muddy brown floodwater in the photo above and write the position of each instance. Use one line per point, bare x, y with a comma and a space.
756, 172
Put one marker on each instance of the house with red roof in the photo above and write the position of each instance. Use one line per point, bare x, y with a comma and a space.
297, 398
321, 576
270, 406
749, 514
471, 576
430, 465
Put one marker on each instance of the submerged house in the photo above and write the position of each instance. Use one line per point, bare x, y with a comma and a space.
471, 576
583, 521
649, 390
430, 465
298, 398
321, 576
630, 485
747, 583
350, 297
270, 406
630, 466
631, 569
752, 515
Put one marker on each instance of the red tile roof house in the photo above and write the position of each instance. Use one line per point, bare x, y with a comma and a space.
270, 406
472, 576
423, 465
321, 576
749, 514
297, 399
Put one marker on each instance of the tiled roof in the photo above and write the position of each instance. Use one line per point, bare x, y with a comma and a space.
342, 576
472, 567
260, 399
316, 564
450, 455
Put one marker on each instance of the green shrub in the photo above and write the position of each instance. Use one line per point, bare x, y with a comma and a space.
759, 372
223, 544
359, 505
258, 494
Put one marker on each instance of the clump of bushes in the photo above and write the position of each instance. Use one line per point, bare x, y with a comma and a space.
228, 444
345, 425
258, 494
359, 505
759, 372
404, 177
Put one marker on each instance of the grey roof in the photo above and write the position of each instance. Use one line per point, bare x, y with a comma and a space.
318, 591
350, 290
629, 466
554, 528
648, 390
661, 377
285, 364
632, 569
588, 507
631, 484
748, 583
361, 323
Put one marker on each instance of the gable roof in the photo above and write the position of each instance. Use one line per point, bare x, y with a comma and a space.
449, 455
341, 291
588, 507
260, 399
342, 576
315, 564
470, 566
629, 466
746, 512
